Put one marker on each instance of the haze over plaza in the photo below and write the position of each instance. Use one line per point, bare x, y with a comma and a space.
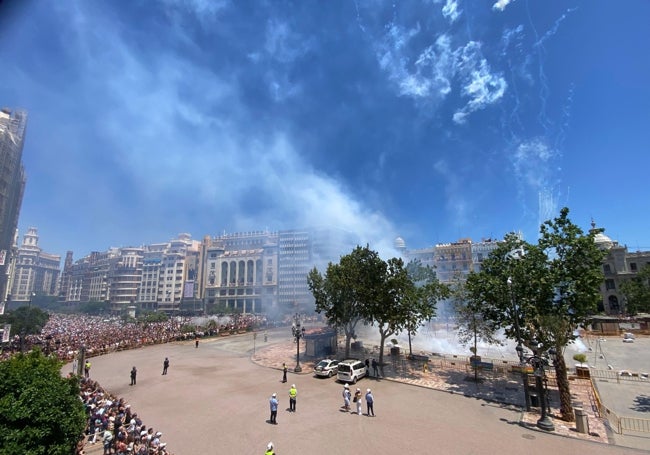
430, 120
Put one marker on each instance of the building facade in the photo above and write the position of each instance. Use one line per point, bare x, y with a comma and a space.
619, 265
12, 187
240, 272
35, 272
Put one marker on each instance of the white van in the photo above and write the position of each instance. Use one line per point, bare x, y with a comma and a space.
351, 370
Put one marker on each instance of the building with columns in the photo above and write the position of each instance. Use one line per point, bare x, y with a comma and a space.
240, 271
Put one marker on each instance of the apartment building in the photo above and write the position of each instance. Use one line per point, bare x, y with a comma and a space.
12, 186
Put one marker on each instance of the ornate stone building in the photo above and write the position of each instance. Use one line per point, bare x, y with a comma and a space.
619, 265
35, 272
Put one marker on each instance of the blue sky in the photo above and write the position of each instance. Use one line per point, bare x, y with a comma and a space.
433, 120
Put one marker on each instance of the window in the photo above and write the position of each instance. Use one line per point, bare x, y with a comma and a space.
607, 268
609, 284
633, 266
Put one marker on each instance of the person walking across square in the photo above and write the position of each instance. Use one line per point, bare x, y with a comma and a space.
134, 373
165, 365
284, 372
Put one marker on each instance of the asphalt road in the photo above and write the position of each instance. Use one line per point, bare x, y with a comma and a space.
215, 400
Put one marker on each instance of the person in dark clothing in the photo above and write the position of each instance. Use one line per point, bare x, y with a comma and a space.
284, 372
368, 367
165, 365
374, 368
370, 401
134, 372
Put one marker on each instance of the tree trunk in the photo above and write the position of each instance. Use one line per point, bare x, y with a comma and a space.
566, 409
475, 356
382, 340
410, 348
348, 337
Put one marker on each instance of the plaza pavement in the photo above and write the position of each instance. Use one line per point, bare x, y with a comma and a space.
215, 400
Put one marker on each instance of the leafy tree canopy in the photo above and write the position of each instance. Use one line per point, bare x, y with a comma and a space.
637, 292
541, 293
40, 411
347, 288
26, 320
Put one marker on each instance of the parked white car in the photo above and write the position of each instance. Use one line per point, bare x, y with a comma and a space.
351, 371
327, 368
628, 337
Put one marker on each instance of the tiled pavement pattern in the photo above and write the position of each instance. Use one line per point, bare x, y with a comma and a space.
506, 389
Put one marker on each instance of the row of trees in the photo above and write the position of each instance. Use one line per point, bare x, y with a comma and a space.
363, 288
537, 294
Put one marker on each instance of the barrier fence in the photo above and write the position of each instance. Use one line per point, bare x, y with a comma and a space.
617, 423
498, 368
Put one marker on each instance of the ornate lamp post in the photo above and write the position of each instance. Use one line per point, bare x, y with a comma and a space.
519, 348
538, 362
298, 333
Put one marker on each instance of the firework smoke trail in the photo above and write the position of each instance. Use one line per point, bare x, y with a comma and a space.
566, 119
359, 23
512, 119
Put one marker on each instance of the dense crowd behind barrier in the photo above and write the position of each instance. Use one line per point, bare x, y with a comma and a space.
111, 421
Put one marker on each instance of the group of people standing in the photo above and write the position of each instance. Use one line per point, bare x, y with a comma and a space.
348, 397
273, 404
357, 398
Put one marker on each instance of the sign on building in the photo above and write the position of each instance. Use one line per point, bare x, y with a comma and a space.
5, 333
188, 291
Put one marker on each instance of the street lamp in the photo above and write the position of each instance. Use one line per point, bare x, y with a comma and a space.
519, 348
298, 333
31, 296
539, 363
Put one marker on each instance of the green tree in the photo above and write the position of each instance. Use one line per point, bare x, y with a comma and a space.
574, 276
471, 324
541, 293
390, 308
26, 320
637, 292
347, 288
426, 293
95, 308
40, 411
153, 316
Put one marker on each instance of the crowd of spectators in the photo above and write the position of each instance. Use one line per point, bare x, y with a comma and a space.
111, 421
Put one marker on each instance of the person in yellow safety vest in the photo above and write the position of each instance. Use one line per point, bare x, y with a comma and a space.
269, 449
87, 368
293, 392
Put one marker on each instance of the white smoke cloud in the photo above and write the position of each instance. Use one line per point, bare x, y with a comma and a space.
451, 11
500, 5
480, 84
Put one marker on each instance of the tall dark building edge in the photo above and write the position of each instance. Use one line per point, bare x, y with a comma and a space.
12, 187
